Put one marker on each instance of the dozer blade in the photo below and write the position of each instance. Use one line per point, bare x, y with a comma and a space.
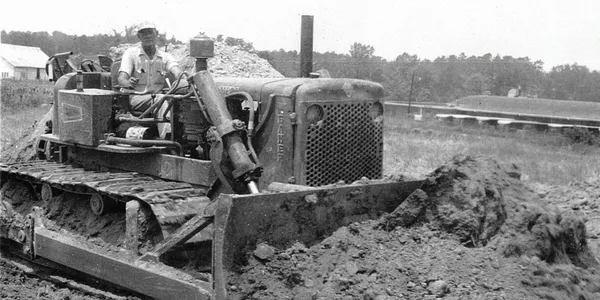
307, 216
157, 281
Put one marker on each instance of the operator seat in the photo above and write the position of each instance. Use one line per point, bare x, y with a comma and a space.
114, 79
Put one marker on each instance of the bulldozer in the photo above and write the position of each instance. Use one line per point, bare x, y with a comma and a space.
249, 161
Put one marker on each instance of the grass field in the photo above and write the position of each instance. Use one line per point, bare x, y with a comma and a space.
417, 148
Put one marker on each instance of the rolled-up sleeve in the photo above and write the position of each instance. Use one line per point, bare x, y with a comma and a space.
169, 62
127, 63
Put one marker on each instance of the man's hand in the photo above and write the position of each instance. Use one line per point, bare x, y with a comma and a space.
126, 81
133, 82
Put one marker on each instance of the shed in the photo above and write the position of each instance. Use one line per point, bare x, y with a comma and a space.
22, 62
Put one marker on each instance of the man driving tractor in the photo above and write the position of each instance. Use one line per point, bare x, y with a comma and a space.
144, 68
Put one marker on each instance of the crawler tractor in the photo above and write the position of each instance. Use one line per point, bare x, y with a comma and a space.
249, 161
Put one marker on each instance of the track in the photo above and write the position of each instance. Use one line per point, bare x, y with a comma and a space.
69, 233
172, 202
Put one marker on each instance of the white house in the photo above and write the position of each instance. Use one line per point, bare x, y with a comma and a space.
22, 62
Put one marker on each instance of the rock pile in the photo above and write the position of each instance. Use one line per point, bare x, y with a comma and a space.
229, 61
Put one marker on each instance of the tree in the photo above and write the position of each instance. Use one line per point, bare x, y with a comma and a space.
360, 55
572, 82
286, 62
476, 84
359, 51
365, 64
246, 46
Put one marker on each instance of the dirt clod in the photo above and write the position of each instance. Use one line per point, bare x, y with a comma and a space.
407, 213
264, 251
439, 288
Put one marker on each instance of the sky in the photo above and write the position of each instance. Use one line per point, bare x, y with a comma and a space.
554, 31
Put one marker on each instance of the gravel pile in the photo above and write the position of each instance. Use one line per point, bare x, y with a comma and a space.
229, 61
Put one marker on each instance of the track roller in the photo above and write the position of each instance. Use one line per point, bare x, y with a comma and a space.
48, 193
99, 204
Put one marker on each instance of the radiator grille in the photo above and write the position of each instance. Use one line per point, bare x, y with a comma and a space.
348, 146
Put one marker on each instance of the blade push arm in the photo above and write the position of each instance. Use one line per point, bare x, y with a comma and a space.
244, 169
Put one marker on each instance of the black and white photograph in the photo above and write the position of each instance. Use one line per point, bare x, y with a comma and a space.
310, 150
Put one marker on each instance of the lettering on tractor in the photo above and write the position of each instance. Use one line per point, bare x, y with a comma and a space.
71, 113
226, 90
280, 145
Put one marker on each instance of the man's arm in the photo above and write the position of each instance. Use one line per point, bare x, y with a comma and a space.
176, 72
125, 70
125, 80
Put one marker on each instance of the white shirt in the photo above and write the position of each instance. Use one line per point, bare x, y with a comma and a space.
150, 73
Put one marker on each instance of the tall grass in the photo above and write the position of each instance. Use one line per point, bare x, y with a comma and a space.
18, 123
22, 104
416, 148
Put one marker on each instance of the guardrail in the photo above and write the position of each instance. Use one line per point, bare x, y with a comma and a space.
432, 110
511, 123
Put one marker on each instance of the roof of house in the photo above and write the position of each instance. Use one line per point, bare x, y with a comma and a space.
23, 56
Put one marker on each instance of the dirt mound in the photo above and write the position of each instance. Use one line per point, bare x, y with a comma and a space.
474, 231
482, 202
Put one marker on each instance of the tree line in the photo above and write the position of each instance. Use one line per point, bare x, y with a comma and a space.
448, 78
59, 42
443, 79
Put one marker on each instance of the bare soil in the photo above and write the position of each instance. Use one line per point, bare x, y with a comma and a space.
474, 231
18, 283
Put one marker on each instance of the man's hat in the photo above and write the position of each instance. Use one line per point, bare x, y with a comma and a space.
146, 25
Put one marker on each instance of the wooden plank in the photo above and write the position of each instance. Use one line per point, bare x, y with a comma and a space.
551, 125
132, 212
483, 119
462, 116
180, 236
505, 122
159, 284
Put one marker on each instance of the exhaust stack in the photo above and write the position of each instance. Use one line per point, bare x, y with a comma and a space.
306, 46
